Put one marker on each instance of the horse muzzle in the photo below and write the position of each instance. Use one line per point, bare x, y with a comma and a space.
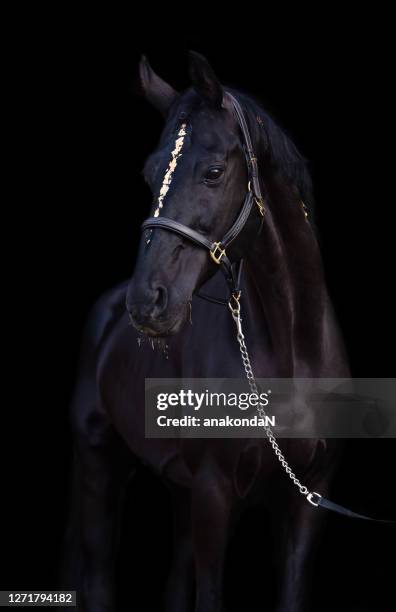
152, 313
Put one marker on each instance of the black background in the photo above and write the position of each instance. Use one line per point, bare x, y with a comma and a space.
80, 133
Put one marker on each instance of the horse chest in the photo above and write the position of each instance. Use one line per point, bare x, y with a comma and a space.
206, 348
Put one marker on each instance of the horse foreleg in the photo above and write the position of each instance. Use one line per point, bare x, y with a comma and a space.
103, 480
179, 594
211, 510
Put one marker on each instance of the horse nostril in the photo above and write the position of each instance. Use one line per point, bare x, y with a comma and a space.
160, 300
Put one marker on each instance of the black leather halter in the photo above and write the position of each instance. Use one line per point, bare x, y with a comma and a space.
218, 248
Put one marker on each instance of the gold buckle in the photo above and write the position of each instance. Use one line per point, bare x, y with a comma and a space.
213, 252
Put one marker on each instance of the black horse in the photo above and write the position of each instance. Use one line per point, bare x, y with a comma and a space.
198, 175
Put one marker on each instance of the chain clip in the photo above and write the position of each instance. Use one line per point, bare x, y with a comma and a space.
235, 307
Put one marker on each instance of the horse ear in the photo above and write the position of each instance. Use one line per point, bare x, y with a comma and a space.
204, 80
158, 93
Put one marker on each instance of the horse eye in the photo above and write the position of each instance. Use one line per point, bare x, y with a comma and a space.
213, 174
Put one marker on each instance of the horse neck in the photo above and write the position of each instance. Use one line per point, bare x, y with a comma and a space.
286, 272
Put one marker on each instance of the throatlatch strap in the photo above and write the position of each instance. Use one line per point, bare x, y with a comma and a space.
235, 288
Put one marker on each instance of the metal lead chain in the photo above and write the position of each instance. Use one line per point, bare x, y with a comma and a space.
235, 308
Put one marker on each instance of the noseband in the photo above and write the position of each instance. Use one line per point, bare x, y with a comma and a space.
218, 248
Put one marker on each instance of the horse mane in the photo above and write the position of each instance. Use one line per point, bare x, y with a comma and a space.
277, 154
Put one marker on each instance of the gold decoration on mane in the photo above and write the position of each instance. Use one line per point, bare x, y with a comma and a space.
175, 156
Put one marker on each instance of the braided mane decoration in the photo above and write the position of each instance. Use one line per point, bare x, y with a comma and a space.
175, 155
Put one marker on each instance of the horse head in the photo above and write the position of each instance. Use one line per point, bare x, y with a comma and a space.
199, 178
